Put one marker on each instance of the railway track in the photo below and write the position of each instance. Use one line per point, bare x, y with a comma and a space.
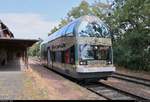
133, 79
111, 93
107, 91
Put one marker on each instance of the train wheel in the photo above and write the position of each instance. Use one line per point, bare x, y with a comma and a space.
87, 81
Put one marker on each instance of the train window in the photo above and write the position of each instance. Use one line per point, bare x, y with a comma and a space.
82, 29
72, 55
53, 56
62, 31
70, 29
86, 52
67, 56
93, 29
63, 56
49, 56
58, 56
92, 52
103, 53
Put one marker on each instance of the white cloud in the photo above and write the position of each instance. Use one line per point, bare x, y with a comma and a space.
27, 25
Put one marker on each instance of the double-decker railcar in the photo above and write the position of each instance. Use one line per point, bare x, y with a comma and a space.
82, 49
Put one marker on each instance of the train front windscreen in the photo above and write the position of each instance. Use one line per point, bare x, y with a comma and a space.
93, 29
88, 53
97, 53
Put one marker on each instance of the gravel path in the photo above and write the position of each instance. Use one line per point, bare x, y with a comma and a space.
59, 88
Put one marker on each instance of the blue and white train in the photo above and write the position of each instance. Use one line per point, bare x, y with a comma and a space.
82, 49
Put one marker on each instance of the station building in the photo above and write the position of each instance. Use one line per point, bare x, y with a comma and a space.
13, 52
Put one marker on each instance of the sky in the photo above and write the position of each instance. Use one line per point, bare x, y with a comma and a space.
33, 19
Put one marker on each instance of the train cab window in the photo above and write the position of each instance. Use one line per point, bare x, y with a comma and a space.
94, 52
93, 29
103, 53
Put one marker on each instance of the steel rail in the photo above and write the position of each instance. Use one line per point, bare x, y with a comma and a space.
133, 79
123, 93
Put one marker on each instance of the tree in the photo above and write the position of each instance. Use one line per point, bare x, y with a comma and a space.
81, 10
34, 51
129, 21
133, 34
53, 30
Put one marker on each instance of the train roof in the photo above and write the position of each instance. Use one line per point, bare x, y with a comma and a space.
70, 26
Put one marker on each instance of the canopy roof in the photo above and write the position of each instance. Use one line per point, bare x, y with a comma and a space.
7, 39
17, 42
4, 30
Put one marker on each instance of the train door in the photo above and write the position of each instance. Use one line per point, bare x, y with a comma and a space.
67, 56
49, 59
53, 58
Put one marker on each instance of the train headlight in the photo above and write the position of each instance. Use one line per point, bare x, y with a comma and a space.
109, 62
83, 62
95, 47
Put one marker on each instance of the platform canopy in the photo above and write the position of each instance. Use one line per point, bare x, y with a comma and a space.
17, 42
7, 39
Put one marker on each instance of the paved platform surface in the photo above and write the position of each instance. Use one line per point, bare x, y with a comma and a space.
11, 84
17, 85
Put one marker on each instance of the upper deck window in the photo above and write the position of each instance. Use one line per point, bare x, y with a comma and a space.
93, 29
70, 29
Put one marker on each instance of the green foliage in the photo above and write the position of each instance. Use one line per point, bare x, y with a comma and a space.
81, 10
131, 46
62, 23
53, 30
34, 51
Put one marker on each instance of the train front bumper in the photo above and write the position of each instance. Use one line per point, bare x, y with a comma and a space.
82, 69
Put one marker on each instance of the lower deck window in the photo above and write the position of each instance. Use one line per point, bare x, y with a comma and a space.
67, 56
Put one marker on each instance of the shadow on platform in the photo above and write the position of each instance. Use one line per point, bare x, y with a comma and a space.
14, 65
